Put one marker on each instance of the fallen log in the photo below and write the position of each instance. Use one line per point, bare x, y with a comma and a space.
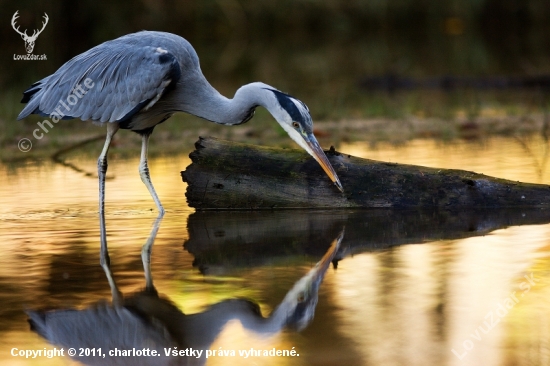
231, 175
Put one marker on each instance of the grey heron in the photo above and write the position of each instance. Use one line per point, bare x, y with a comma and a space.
140, 80
147, 320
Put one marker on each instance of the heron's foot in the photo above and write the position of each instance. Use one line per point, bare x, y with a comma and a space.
151, 290
117, 297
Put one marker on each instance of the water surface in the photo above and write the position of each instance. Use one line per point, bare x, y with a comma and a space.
409, 288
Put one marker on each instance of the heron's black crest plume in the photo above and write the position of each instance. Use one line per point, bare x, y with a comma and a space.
287, 102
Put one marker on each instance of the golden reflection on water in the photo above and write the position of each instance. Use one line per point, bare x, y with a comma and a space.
413, 305
409, 305
51, 190
236, 337
516, 159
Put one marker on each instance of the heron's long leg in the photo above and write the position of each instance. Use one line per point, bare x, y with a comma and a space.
104, 260
144, 170
146, 253
117, 298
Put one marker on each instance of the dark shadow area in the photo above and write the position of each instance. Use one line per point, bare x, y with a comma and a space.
242, 239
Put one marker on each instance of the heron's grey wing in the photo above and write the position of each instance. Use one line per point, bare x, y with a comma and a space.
102, 326
124, 78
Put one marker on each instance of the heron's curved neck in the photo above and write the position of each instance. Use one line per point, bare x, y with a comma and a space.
206, 102
217, 316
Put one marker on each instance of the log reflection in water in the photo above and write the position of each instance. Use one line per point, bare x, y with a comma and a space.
221, 239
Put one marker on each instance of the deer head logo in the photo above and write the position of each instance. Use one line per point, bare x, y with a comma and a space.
29, 40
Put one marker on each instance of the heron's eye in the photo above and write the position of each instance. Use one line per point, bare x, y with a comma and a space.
301, 298
295, 125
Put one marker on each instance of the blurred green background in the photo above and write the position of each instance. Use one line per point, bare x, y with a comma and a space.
318, 51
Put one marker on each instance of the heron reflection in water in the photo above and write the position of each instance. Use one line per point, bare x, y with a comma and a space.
145, 320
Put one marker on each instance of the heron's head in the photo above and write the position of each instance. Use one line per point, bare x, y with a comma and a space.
294, 117
298, 307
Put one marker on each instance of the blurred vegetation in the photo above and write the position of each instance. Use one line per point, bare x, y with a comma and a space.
246, 39
315, 50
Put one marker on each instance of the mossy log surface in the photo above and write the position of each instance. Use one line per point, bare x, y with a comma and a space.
231, 175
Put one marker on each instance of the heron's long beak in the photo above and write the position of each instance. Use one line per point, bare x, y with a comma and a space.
331, 252
319, 155
317, 273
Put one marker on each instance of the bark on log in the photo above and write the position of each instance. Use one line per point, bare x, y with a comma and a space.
231, 175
